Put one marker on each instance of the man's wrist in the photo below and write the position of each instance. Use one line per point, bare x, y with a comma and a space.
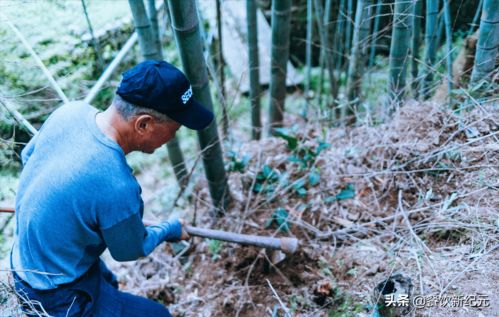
174, 228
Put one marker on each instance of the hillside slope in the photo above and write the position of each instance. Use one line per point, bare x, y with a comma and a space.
416, 196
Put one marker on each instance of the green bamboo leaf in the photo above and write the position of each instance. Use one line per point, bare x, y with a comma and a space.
301, 192
329, 199
286, 135
281, 217
284, 179
299, 183
347, 193
246, 160
322, 146
267, 171
308, 157
270, 188
257, 188
314, 178
449, 202
236, 164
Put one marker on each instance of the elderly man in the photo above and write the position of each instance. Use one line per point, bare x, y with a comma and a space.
77, 195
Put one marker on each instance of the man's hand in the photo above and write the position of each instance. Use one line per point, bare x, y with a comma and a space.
185, 235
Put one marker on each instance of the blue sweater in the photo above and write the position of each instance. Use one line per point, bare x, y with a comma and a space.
76, 196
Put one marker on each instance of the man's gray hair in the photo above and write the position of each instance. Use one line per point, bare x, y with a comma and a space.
128, 110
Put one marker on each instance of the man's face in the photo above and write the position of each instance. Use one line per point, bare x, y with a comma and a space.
157, 134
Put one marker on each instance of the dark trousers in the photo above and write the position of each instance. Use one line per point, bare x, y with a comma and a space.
94, 294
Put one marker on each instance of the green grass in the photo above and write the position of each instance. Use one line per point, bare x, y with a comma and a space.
52, 28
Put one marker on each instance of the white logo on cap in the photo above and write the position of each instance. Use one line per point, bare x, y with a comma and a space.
187, 95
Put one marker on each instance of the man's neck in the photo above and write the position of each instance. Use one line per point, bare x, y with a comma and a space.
112, 125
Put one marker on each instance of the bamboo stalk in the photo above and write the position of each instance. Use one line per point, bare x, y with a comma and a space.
375, 33
322, 20
214, 74
143, 28
254, 67
185, 24
441, 29
333, 89
308, 60
448, 41
475, 18
399, 51
348, 32
340, 24
152, 11
357, 59
281, 15
416, 41
326, 57
220, 57
430, 47
221, 75
322, 57
488, 39
150, 50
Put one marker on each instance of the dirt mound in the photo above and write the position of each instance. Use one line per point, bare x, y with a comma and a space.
412, 196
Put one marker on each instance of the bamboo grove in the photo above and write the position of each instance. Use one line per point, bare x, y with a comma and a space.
350, 36
349, 32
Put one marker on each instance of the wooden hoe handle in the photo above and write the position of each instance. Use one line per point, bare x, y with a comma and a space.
7, 209
288, 245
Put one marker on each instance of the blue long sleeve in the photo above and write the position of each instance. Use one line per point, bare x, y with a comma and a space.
129, 240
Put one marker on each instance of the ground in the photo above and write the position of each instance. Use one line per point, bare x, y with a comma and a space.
416, 196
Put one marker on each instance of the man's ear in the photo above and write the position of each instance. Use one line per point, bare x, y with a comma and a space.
143, 123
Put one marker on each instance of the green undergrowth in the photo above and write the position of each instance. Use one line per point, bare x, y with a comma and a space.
55, 36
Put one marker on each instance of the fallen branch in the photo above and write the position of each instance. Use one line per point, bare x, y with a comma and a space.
37, 59
17, 116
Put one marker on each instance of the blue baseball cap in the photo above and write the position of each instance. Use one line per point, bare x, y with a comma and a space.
161, 86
